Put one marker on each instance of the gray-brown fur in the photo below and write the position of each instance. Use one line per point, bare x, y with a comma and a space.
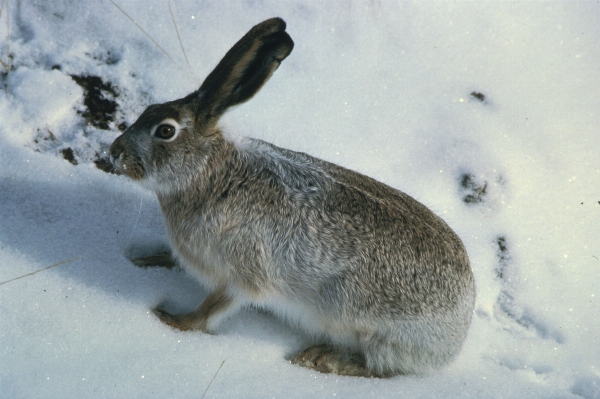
374, 274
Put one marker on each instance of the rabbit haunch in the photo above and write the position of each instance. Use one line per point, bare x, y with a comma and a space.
374, 275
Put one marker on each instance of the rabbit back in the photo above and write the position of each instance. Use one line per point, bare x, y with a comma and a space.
335, 251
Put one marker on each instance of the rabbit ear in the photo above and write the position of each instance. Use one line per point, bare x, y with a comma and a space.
245, 68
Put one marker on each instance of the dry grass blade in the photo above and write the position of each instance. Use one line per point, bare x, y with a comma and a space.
41, 270
179, 37
143, 31
6, 66
211, 381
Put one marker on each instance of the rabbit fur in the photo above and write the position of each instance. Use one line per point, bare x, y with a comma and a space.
384, 283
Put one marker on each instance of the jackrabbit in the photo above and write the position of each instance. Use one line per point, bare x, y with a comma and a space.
382, 282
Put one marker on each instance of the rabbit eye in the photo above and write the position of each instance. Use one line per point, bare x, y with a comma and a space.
165, 132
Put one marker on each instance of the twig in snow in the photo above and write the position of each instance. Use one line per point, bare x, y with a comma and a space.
211, 381
45, 268
143, 31
179, 37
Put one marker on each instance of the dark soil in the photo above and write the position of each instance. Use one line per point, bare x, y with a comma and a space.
99, 100
68, 155
478, 96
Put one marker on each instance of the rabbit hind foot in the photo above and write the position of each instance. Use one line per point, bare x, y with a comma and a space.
329, 359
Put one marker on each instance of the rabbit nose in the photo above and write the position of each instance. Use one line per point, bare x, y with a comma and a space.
115, 150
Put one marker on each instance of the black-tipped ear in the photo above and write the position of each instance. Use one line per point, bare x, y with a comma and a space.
245, 68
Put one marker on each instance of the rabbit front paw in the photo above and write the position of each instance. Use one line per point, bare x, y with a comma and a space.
216, 303
162, 259
179, 322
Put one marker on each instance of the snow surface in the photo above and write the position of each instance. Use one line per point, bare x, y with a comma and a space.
380, 87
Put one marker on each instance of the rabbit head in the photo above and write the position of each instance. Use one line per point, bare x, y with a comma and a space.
170, 138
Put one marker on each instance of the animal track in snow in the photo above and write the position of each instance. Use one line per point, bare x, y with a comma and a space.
508, 308
474, 190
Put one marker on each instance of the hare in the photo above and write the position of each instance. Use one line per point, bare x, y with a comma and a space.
380, 282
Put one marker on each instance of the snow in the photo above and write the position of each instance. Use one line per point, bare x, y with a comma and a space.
380, 87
